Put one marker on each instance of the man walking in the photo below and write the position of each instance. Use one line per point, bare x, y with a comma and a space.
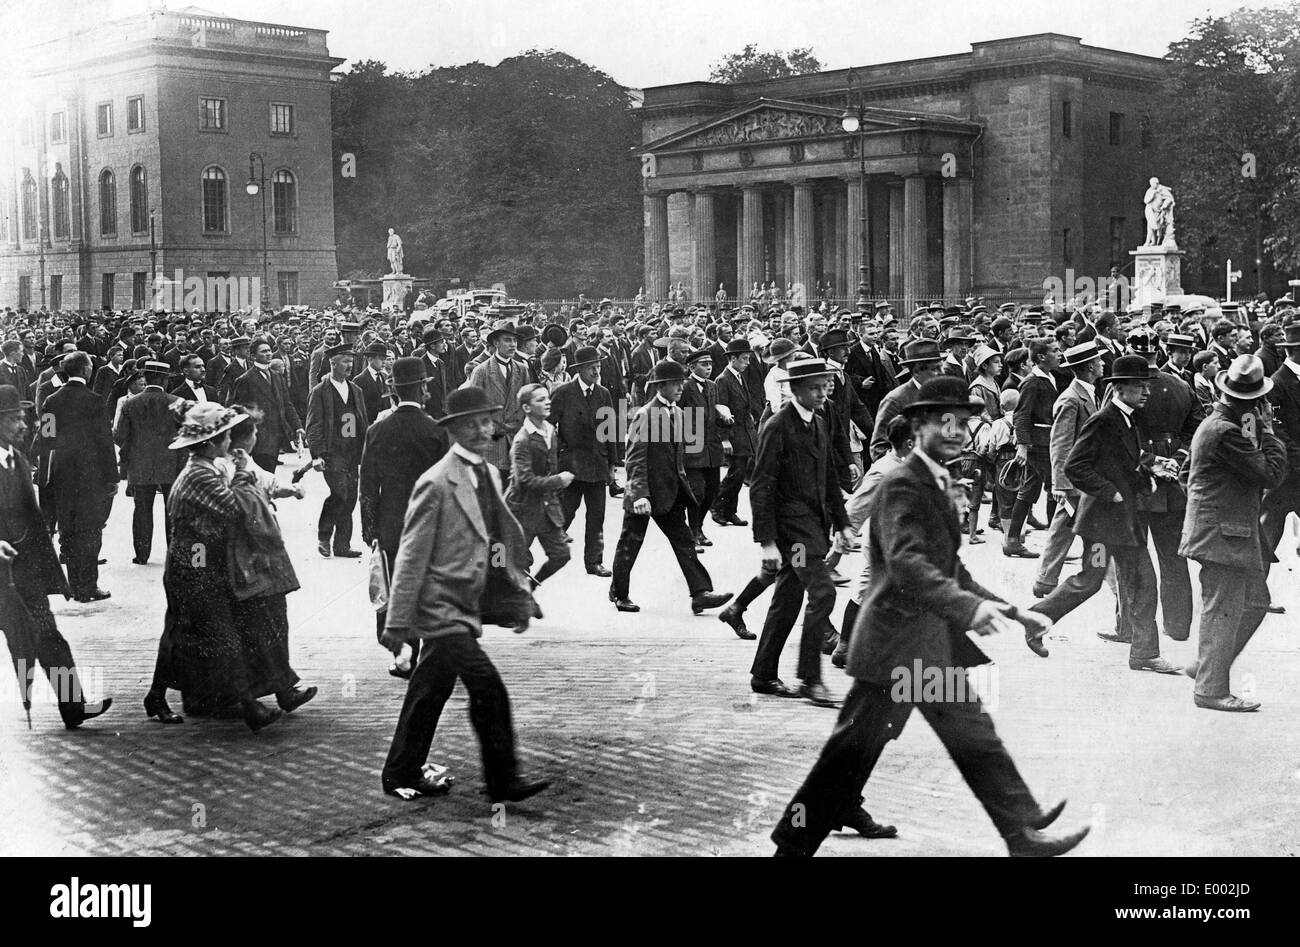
535, 478
336, 430
143, 432
740, 436
587, 432
268, 391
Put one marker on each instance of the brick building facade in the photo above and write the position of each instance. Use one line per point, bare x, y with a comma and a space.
986, 173
125, 156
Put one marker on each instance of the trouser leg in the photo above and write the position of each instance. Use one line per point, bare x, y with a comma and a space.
431, 684
729, 491
787, 597
1175, 580
1138, 600
1077, 589
556, 549
625, 554
1233, 603
142, 519
753, 589
1060, 537
673, 525
346, 505
55, 658
1025, 499
489, 712
867, 721
817, 628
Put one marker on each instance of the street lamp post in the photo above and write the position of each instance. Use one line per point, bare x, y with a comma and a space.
255, 186
40, 250
153, 256
853, 122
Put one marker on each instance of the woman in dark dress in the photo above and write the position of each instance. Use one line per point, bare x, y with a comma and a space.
201, 654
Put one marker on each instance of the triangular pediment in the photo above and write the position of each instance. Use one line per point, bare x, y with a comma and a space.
777, 120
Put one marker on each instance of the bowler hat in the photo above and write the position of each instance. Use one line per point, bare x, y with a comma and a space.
832, 338
1244, 378
465, 401
377, 349
431, 334
737, 346
945, 391
666, 371
920, 350
11, 401
586, 355
555, 335
1292, 337
1130, 368
409, 371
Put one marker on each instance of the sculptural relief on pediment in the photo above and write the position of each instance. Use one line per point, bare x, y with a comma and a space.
768, 125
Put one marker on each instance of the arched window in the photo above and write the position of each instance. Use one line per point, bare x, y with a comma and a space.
139, 201
107, 203
214, 200
29, 205
284, 202
59, 205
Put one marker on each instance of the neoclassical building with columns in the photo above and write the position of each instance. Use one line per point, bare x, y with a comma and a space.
984, 173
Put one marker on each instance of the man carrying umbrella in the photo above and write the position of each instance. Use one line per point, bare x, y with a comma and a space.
29, 572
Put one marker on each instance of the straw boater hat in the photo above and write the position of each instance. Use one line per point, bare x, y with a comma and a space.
1244, 379
204, 421
1080, 354
1179, 341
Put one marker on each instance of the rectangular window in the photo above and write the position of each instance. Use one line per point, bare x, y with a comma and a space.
1116, 128
1117, 242
281, 119
288, 283
1067, 256
24, 292
212, 115
1146, 131
56, 291
138, 283
104, 119
58, 129
1067, 119
106, 291
135, 114
27, 131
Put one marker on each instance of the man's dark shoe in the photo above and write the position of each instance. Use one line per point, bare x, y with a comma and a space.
259, 716
1229, 703
736, 620
424, 786
1157, 664
95, 595
734, 520
702, 540
1115, 637
348, 553
1035, 642
520, 789
155, 705
1042, 591
74, 719
1018, 550
1031, 843
817, 693
773, 688
623, 604
1275, 609
831, 643
291, 700
140, 562
860, 821
1047, 817
323, 547
708, 600
599, 570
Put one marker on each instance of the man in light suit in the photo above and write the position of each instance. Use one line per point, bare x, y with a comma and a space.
535, 479
448, 568
143, 432
915, 617
1235, 457
1072, 408
501, 376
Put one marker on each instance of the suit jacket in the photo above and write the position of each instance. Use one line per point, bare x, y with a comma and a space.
326, 436
862, 365
1169, 419
642, 361
75, 439
656, 457
794, 491
1229, 473
1286, 413
372, 392
398, 450
217, 367
143, 432
588, 444
442, 576
1032, 420
921, 599
1107, 459
281, 423
890, 407
105, 378
1069, 413
36, 569
183, 389
742, 433
435, 389
534, 480
612, 375
489, 377
699, 403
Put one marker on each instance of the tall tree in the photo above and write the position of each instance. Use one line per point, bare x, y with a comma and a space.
752, 64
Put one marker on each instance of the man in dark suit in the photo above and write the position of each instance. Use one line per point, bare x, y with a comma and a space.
642, 360
704, 455
223, 364
797, 502
1235, 457
1285, 497
433, 355
871, 368
657, 489
740, 438
191, 386
1108, 467
336, 427
320, 366
268, 391
144, 430
109, 372
914, 621
921, 358
843, 409
584, 416
12, 371
536, 479
27, 554
372, 381
82, 472
1032, 423
397, 450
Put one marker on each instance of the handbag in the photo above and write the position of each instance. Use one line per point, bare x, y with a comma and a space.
380, 580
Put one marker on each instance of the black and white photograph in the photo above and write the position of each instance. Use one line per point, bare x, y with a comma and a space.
728, 428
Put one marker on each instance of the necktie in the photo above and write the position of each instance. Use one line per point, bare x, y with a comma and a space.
484, 492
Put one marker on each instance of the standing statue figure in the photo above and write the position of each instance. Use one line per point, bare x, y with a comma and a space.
1159, 202
395, 253
640, 297
721, 296
755, 293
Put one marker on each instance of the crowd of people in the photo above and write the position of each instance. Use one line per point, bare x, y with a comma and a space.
466, 440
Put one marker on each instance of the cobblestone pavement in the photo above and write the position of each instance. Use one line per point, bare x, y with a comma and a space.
646, 725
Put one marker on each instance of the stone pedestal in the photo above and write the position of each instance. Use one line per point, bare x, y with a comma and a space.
395, 290
1157, 273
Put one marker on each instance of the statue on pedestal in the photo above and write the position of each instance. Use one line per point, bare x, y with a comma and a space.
640, 296
394, 253
720, 297
1159, 202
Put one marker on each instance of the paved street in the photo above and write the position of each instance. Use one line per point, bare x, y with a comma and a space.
646, 725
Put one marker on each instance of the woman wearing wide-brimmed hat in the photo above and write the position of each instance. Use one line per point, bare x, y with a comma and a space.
200, 653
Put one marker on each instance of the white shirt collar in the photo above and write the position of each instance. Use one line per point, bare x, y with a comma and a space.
6, 456
1038, 370
1084, 388
413, 404
544, 430
805, 414
1293, 366
341, 387
586, 388
940, 473
663, 401
466, 455
1125, 411
77, 378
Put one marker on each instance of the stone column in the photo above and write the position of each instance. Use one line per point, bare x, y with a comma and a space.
787, 265
896, 239
704, 263
778, 238
956, 236
915, 269
854, 249
844, 280
802, 250
656, 246
750, 257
